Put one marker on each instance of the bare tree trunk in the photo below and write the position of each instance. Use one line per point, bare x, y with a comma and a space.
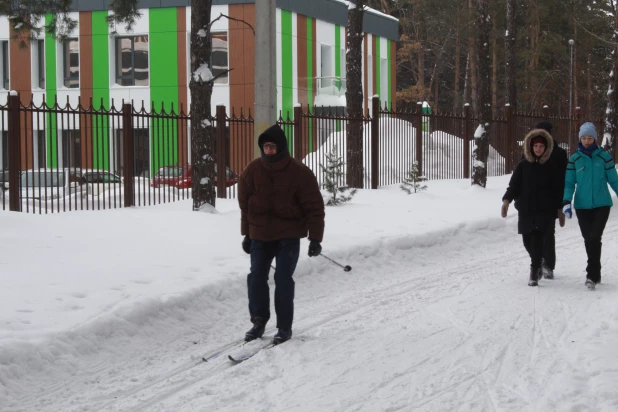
354, 95
421, 69
575, 98
510, 43
203, 137
472, 56
456, 97
533, 64
611, 129
481, 136
494, 72
589, 83
466, 91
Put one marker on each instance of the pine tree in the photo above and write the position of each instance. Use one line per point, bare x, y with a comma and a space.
413, 181
334, 174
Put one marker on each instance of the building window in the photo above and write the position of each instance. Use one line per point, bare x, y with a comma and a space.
70, 57
5, 151
327, 65
39, 149
219, 57
40, 57
141, 153
384, 69
71, 148
5, 64
132, 61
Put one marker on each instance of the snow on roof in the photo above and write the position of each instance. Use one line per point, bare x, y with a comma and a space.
370, 10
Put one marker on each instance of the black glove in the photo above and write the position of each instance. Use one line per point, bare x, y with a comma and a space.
246, 245
314, 248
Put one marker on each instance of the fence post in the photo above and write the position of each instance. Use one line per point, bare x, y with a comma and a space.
298, 131
375, 142
509, 138
466, 149
221, 153
418, 120
129, 156
14, 152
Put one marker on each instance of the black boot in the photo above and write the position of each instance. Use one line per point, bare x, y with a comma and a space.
256, 331
534, 276
282, 336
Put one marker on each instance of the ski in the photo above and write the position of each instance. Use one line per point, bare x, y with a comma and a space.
225, 349
248, 355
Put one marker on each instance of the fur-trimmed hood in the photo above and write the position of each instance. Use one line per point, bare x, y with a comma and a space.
529, 153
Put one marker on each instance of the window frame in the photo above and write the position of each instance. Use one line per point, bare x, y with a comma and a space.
118, 61
6, 81
227, 52
40, 45
66, 62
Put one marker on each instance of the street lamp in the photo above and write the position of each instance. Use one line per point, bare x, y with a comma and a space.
571, 44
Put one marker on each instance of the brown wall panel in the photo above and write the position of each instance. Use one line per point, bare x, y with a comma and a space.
366, 74
21, 81
301, 45
85, 84
183, 150
241, 80
393, 74
373, 65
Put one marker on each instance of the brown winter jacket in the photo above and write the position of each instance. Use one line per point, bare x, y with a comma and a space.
280, 200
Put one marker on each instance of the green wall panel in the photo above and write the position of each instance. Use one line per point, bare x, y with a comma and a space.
50, 96
163, 42
287, 59
310, 74
100, 92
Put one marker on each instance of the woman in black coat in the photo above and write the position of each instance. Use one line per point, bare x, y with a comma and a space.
536, 188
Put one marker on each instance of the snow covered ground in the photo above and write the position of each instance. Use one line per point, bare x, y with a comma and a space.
113, 310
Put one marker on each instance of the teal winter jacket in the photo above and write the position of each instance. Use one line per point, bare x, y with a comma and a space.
590, 174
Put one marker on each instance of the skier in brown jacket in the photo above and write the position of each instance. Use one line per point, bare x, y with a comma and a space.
280, 203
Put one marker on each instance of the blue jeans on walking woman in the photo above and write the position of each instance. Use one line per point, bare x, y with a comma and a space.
285, 252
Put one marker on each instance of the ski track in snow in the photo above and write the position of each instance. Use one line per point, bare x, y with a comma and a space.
437, 322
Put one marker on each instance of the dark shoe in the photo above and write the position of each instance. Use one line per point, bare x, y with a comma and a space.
534, 276
282, 336
590, 284
548, 273
256, 331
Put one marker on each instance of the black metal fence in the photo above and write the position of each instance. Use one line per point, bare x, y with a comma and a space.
83, 158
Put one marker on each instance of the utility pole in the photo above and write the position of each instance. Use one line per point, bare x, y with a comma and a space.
265, 107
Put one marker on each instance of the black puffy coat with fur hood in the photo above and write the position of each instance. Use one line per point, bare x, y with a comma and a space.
536, 186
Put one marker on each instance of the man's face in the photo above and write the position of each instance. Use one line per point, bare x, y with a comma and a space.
270, 148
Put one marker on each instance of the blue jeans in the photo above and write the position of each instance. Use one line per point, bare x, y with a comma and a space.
285, 252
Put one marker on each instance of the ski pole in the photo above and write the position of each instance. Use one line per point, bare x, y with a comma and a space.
346, 268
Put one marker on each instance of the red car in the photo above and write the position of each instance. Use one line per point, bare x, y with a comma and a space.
180, 177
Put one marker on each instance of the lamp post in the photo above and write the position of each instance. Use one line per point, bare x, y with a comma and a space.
571, 44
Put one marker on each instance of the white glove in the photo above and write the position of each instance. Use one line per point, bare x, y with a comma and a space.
567, 210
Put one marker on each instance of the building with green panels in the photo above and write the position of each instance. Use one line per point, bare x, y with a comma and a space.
149, 67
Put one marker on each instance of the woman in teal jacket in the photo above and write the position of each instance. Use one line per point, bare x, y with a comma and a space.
589, 171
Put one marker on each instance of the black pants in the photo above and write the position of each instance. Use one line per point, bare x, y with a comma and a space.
549, 246
285, 252
533, 242
592, 224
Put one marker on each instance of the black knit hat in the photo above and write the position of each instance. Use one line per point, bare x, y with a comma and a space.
545, 125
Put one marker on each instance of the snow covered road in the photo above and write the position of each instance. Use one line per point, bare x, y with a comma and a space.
443, 321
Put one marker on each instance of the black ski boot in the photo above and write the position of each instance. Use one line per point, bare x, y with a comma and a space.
282, 336
534, 276
548, 273
256, 331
